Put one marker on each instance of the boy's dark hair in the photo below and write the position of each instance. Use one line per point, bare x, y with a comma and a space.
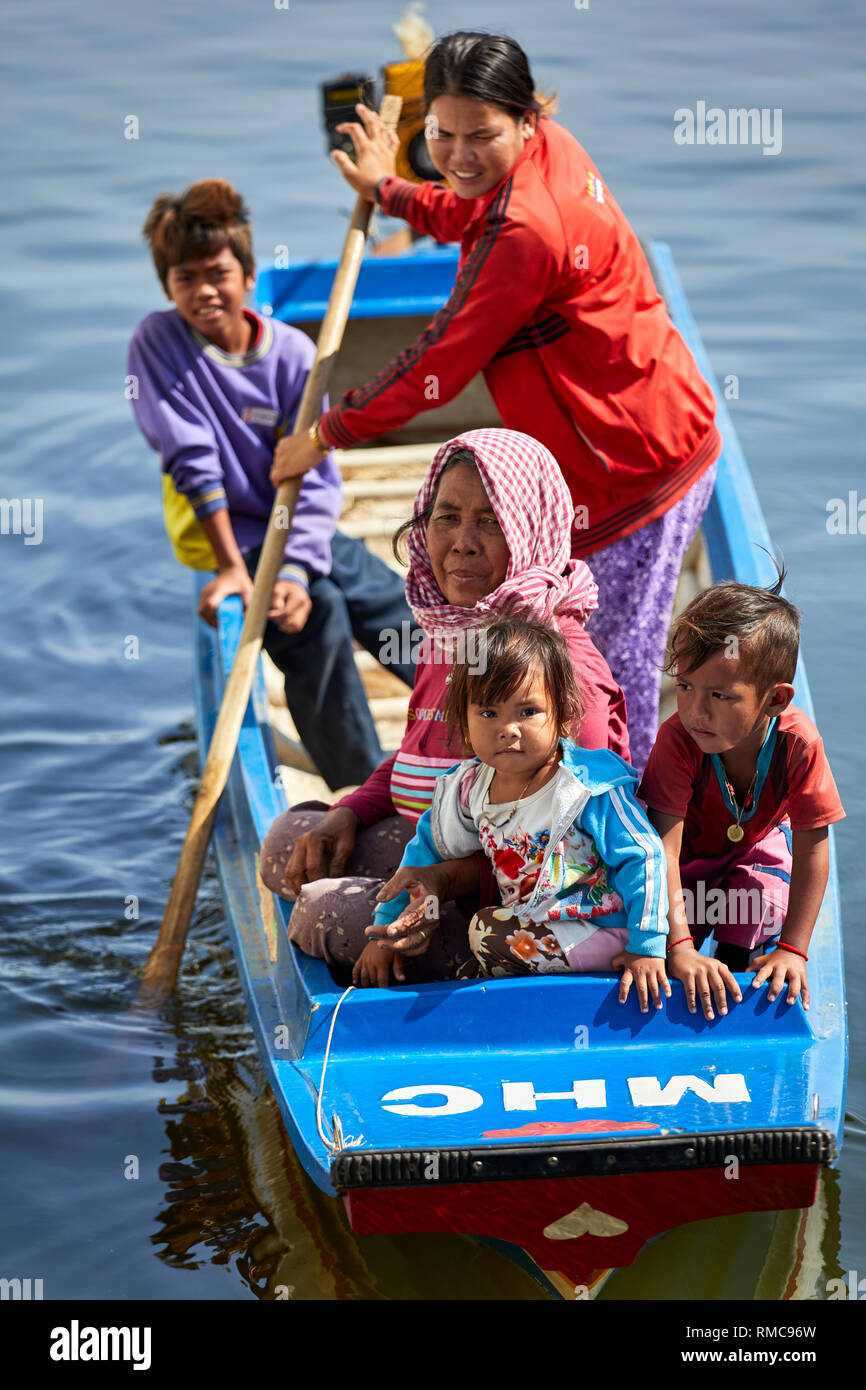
459, 456
511, 648
201, 221
492, 68
766, 627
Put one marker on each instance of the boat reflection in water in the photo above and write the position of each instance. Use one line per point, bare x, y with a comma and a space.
435, 1078
237, 1195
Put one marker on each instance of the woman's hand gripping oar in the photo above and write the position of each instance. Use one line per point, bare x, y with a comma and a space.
163, 962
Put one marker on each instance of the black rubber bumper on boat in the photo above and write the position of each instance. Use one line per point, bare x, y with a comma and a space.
411, 1167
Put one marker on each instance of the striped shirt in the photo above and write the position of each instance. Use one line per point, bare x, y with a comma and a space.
404, 783
413, 779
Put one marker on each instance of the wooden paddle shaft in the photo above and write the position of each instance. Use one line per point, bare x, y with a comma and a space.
164, 960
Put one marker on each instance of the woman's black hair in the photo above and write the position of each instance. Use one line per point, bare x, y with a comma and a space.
490, 67
459, 456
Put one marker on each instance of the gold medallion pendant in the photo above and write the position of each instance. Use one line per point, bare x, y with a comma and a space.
736, 832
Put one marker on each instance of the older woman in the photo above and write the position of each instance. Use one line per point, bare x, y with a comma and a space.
490, 534
555, 303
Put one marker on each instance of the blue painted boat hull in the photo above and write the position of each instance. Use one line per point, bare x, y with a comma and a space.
529, 1093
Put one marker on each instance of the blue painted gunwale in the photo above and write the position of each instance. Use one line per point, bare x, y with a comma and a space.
478, 1034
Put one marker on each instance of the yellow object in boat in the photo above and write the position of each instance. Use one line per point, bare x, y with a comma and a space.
406, 80
185, 531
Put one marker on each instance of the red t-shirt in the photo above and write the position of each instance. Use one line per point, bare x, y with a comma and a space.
680, 780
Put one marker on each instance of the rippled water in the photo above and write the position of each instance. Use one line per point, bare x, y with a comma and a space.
146, 1159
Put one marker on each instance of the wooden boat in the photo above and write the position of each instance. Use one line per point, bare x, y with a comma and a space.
234, 1187
538, 1112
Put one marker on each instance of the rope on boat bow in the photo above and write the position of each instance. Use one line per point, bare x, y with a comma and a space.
337, 1140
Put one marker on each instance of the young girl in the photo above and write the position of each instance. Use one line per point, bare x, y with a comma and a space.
580, 870
740, 790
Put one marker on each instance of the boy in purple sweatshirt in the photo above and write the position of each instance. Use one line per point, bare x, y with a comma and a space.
214, 386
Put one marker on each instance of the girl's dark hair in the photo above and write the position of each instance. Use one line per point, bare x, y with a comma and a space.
511, 649
490, 67
764, 626
464, 456
201, 221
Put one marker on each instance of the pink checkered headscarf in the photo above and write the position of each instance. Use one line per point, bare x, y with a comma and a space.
532, 504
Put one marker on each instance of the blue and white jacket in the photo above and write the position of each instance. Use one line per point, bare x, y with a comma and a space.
594, 790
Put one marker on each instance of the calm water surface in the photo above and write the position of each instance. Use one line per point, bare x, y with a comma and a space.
98, 764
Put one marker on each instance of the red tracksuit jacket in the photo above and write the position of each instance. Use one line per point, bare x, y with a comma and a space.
555, 303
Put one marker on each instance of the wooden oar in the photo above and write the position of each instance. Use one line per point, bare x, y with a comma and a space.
163, 962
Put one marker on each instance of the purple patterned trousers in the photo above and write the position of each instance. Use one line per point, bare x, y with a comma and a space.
637, 583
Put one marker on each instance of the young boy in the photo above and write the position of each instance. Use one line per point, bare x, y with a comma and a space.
741, 793
215, 387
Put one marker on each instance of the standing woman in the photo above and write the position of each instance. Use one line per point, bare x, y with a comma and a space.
555, 303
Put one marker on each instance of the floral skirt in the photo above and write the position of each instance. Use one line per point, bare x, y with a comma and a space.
504, 944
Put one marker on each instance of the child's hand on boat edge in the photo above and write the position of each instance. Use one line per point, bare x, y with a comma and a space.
782, 968
290, 601
646, 973
702, 977
232, 579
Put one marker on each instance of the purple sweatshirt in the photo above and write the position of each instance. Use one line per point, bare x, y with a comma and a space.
215, 419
